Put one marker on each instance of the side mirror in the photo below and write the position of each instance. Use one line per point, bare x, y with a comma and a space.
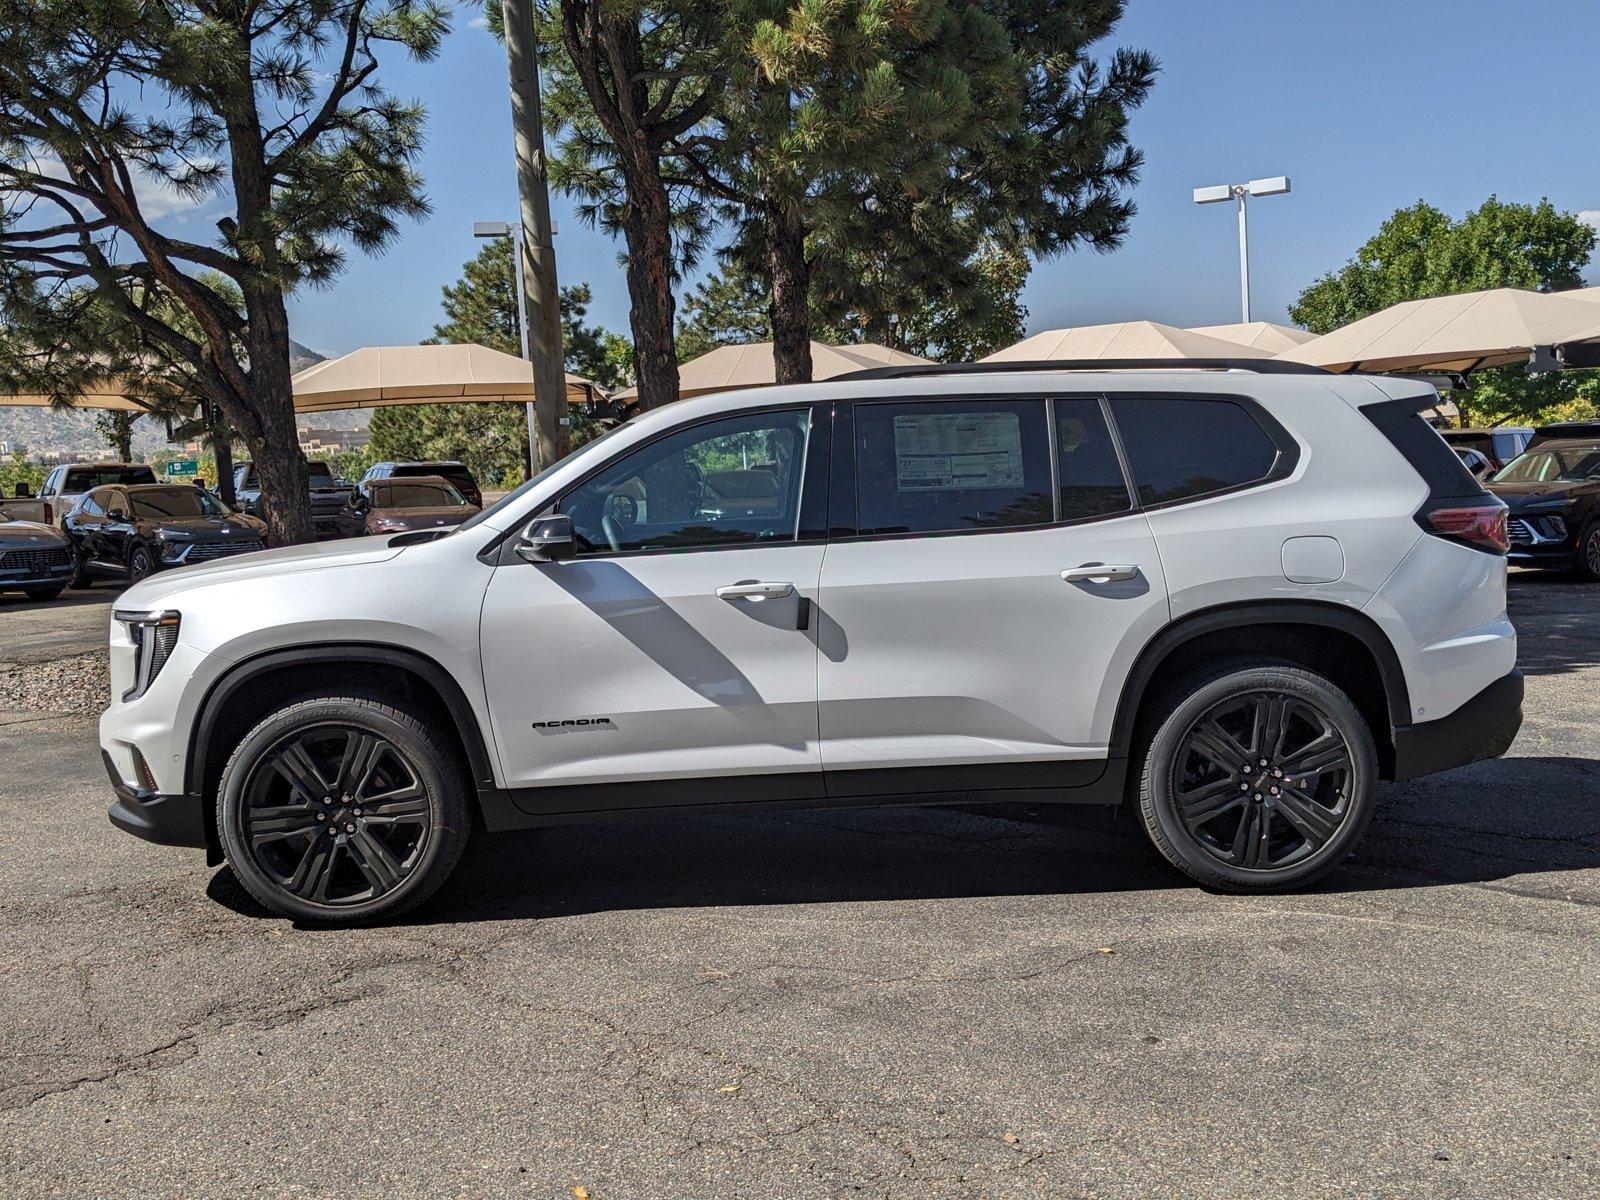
116, 514
549, 539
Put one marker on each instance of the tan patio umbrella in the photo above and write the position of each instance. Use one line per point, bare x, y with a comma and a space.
1453, 333
1260, 335
752, 365
1125, 339
451, 374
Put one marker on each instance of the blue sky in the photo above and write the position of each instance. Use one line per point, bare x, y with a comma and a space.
1366, 105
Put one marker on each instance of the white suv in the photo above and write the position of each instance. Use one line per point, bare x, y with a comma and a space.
1235, 597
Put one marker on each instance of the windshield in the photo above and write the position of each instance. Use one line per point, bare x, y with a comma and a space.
177, 503
1570, 465
517, 493
417, 495
318, 470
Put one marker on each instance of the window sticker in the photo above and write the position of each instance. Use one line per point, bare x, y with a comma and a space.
955, 452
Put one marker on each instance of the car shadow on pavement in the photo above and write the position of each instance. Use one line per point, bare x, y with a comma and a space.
1554, 617
1482, 823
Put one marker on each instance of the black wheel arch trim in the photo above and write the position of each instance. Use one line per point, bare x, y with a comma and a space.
417, 663
1274, 612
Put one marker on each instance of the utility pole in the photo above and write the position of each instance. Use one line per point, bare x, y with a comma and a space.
536, 255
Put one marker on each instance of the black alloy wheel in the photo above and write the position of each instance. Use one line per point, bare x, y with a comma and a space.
340, 809
1588, 557
1261, 778
141, 563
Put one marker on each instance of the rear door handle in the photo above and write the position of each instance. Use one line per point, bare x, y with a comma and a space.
1098, 573
755, 590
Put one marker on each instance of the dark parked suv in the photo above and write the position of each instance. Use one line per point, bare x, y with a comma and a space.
456, 472
1499, 445
1553, 494
133, 531
328, 495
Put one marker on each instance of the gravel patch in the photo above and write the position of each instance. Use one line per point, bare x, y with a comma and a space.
78, 684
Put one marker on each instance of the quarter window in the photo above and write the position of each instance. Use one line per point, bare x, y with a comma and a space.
725, 483
1182, 448
938, 467
1091, 477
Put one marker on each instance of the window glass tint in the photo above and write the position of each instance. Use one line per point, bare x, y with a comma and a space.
729, 482
82, 479
418, 495
934, 467
316, 468
94, 504
177, 502
1091, 477
1180, 448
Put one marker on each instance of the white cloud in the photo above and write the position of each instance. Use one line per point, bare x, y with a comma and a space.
479, 22
1590, 217
157, 198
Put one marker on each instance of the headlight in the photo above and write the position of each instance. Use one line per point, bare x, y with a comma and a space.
154, 634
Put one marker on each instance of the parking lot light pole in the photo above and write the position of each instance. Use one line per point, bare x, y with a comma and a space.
500, 229
1277, 185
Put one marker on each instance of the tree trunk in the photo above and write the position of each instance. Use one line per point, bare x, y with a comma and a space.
222, 450
647, 225
275, 448
124, 436
790, 308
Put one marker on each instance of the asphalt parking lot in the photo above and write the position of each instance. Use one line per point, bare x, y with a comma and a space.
897, 1003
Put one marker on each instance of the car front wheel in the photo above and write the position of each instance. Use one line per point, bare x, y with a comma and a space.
140, 562
1259, 779
1587, 560
342, 810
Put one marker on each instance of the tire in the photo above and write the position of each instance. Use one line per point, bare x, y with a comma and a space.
82, 578
1204, 796
48, 591
1586, 561
141, 563
342, 862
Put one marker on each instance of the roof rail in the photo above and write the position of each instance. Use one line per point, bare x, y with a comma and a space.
1261, 366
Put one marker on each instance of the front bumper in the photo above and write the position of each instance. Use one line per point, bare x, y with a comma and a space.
1553, 556
42, 575
178, 820
1483, 727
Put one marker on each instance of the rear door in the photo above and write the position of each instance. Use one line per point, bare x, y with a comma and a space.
986, 587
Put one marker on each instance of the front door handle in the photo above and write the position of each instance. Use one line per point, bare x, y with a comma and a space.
1098, 573
752, 589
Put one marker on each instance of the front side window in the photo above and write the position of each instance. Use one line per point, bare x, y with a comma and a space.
1579, 465
1182, 448
724, 483
951, 465
94, 504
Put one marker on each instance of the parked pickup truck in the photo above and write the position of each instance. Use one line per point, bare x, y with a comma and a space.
66, 484
328, 495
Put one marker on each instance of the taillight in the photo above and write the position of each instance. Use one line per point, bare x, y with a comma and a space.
1482, 526
49, 512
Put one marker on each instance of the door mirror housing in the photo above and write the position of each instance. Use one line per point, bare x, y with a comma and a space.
548, 539
116, 514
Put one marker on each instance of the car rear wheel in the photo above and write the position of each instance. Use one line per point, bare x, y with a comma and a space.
140, 562
342, 810
1259, 779
1587, 560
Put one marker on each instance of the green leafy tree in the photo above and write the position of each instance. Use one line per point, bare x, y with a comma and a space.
939, 321
1419, 252
492, 439
271, 109
911, 141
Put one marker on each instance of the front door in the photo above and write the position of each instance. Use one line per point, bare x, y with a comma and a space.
974, 629
678, 646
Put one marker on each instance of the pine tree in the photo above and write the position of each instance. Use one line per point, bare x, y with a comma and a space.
272, 107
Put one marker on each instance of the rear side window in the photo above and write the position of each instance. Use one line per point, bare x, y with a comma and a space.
1091, 477
943, 466
84, 478
1181, 448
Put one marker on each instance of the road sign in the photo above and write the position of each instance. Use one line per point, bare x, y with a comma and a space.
183, 466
